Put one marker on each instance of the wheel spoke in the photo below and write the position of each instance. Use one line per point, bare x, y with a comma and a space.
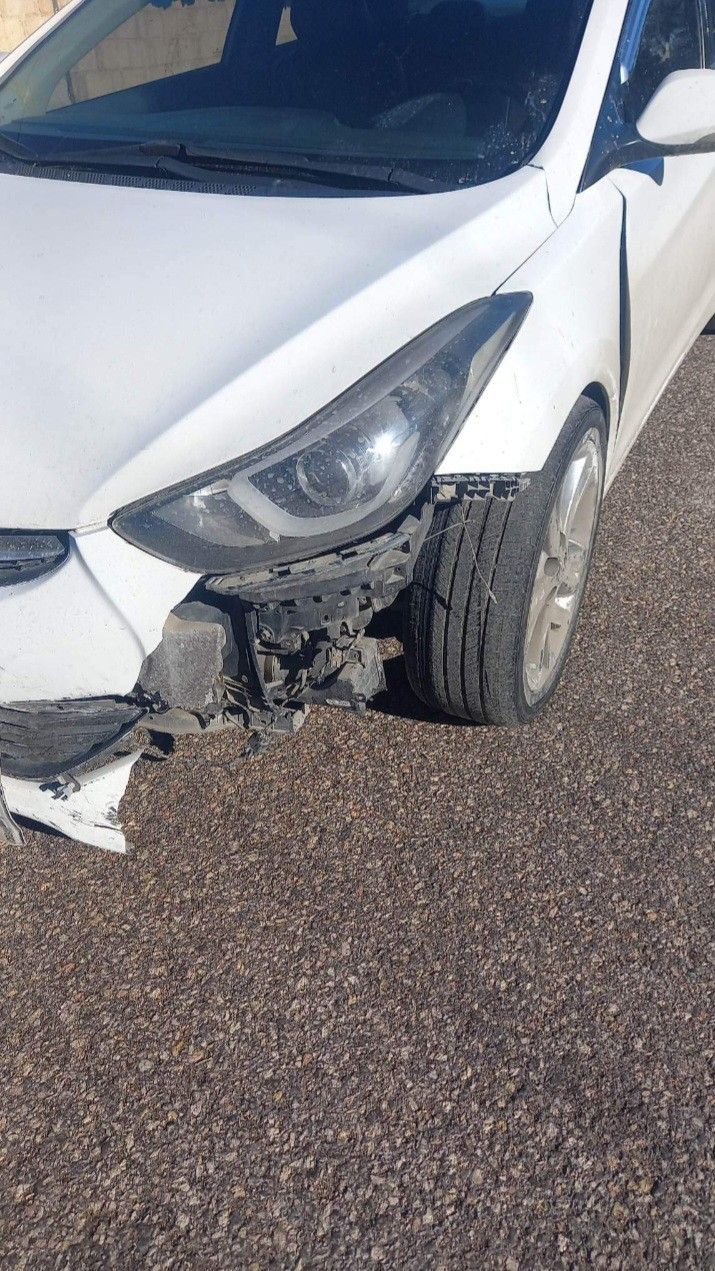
563, 567
543, 588
574, 571
536, 644
575, 486
558, 611
553, 542
584, 502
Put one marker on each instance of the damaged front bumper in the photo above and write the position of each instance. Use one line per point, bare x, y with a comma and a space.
252, 651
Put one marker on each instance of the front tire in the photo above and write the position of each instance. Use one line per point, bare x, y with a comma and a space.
498, 586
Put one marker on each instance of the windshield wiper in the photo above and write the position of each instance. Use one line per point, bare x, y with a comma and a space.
352, 173
197, 163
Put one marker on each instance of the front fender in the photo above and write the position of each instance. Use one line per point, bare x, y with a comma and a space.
570, 340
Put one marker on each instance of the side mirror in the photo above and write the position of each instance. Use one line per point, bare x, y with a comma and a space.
682, 112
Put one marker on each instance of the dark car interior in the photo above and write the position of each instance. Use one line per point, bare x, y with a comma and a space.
438, 78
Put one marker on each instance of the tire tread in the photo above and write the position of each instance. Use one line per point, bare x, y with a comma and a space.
465, 612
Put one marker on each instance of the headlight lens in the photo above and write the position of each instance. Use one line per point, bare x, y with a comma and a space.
345, 473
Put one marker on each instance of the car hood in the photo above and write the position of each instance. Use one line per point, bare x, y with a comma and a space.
147, 335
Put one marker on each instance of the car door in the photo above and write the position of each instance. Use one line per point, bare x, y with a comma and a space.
669, 219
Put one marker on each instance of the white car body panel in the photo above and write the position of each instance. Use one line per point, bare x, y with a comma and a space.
85, 630
195, 328
670, 245
86, 810
565, 151
570, 339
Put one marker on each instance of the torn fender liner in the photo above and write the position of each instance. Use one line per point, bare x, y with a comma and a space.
85, 808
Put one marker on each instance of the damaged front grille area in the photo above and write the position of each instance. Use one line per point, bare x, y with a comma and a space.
257, 649
253, 650
301, 628
40, 740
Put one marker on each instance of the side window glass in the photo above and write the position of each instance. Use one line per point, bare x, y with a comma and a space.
286, 34
671, 42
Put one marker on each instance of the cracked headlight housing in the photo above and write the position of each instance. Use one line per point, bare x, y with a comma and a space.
347, 472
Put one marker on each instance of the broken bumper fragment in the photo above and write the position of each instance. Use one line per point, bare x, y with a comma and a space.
84, 808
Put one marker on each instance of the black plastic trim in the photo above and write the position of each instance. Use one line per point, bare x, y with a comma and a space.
41, 740
27, 554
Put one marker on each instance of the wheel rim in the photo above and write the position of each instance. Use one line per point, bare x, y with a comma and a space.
563, 568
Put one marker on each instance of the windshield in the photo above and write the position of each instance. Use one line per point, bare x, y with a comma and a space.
456, 90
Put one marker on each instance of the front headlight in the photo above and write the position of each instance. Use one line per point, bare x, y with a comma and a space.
345, 473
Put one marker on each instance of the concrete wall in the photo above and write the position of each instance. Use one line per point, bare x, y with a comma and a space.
19, 18
157, 41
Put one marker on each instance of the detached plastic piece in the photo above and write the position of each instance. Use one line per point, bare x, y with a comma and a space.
40, 740
85, 809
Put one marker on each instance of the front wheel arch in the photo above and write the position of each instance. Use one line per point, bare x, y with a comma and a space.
467, 612
596, 392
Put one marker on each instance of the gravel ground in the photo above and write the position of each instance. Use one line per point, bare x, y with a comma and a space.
402, 992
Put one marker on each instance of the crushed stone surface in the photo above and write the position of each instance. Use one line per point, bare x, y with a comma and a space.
402, 992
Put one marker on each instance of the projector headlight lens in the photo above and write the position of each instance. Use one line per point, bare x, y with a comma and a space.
347, 472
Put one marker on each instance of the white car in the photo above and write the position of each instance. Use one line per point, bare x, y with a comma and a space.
308, 309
